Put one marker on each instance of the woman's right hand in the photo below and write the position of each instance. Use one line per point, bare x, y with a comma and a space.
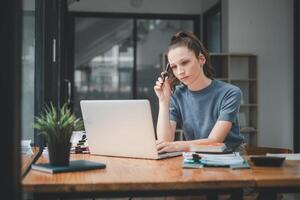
162, 90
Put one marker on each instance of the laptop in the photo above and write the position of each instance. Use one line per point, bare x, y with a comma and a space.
122, 128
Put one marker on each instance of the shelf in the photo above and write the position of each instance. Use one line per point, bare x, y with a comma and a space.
249, 90
234, 80
223, 79
240, 69
248, 105
233, 54
241, 80
248, 130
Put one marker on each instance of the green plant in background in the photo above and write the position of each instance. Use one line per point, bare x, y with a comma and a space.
57, 125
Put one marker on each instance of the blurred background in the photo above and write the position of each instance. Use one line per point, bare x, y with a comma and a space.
114, 49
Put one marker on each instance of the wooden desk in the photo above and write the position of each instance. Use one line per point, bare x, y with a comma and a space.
270, 181
138, 177
27, 159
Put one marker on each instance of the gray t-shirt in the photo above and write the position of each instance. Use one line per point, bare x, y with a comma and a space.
198, 111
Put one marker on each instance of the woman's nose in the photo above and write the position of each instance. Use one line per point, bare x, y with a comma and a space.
180, 70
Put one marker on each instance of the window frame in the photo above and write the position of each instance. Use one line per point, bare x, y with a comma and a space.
135, 17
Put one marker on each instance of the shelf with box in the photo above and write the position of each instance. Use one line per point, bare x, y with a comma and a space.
241, 70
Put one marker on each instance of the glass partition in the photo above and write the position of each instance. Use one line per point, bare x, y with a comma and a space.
103, 59
28, 65
27, 85
121, 58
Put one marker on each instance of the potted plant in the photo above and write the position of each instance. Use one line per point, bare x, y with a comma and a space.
57, 126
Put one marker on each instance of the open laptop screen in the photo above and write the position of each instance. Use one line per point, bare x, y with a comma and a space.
120, 128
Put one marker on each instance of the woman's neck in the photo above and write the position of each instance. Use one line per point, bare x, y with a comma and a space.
200, 83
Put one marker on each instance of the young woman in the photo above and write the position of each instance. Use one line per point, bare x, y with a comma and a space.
207, 109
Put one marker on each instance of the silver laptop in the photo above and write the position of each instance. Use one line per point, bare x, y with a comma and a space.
121, 128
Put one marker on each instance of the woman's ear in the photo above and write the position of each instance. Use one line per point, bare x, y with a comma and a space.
201, 59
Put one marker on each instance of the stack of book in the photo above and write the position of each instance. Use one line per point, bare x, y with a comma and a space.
80, 146
200, 160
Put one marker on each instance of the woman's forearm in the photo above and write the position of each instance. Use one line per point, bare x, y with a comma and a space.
164, 128
185, 145
203, 141
218, 133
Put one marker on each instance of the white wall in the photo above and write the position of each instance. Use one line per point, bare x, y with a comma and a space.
265, 28
143, 6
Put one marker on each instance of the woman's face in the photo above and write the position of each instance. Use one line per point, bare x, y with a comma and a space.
185, 65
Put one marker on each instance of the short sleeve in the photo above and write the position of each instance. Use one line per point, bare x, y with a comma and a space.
230, 105
173, 110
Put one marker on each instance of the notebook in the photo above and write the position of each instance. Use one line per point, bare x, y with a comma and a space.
122, 128
209, 148
75, 165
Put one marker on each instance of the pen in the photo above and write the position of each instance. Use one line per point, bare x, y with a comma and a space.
165, 73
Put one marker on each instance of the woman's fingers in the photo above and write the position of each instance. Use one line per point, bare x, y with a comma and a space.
160, 145
162, 150
157, 142
170, 147
165, 149
158, 83
162, 89
167, 84
158, 87
160, 80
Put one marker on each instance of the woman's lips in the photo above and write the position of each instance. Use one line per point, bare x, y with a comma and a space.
184, 78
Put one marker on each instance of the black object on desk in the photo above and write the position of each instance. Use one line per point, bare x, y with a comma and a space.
75, 165
261, 160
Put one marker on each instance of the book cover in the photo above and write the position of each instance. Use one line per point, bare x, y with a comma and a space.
214, 147
75, 165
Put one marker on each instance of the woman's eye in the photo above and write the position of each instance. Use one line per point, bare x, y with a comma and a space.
185, 62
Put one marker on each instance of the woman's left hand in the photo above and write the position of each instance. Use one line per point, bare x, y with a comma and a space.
163, 147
